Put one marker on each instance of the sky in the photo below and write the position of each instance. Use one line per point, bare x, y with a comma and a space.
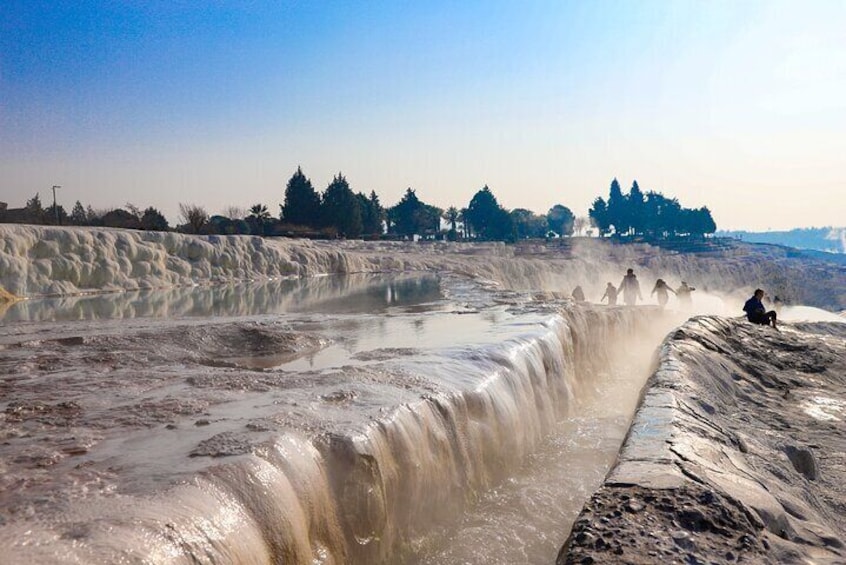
735, 105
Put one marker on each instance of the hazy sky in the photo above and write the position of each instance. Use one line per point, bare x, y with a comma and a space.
737, 105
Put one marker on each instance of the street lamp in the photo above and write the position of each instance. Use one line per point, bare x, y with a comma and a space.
56, 208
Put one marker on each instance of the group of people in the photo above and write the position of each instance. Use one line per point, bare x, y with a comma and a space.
630, 289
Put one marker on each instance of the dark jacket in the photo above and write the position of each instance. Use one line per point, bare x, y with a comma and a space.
753, 306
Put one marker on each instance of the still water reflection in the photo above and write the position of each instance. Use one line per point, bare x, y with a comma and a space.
348, 294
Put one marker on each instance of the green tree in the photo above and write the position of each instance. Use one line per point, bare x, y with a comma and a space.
561, 220
636, 209
651, 206
302, 203
54, 211
153, 220
618, 211
372, 213
120, 218
697, 222
451, 216
78, 216
339, 208
598, 214
465, 226
528, 224
92, 216
258, 219
487, 218
664, 215
481, 212
34, 210
134, 210
428, 220
706, 222
410, 216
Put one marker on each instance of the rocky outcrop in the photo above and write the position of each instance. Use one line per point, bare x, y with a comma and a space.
735, 453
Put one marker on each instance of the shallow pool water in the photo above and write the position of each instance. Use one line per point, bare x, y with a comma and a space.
357, 293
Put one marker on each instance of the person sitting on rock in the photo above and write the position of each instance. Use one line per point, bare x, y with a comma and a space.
610, 294
755, 311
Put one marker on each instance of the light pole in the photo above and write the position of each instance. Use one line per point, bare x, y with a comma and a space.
56, 208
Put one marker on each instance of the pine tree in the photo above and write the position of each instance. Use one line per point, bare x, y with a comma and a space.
372, 213
403, 215
153, 220
339, 208
78, 216
617, 209
302, 203
34, 210
488, 219
636, 209
598, 215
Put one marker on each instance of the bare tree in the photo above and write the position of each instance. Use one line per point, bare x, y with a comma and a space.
580, 223
234, 212
194, 216
134, 210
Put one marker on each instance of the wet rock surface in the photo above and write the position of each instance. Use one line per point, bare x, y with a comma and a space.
690, 524
736, 453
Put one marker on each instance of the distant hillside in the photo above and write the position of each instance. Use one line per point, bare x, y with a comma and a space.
832, 240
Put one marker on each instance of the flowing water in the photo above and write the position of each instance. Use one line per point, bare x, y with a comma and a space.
526, 518
356, 419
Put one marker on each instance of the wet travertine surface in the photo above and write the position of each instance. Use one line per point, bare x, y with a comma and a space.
737, 453
167, 438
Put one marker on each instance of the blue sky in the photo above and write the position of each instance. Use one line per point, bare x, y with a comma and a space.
740, 106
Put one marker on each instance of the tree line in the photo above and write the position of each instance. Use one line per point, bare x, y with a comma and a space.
340, 212
651, 215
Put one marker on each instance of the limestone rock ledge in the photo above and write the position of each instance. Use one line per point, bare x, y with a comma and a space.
737, 453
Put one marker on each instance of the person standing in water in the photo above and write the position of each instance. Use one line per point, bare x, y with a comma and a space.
578, 294
610, 294
630, 288
683, 294
663, 291
756, 313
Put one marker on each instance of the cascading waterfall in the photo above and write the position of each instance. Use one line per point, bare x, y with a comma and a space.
354, 497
